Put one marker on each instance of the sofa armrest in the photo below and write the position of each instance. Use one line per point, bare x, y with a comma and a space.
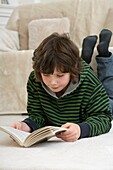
9, 40
12, 23
15, 67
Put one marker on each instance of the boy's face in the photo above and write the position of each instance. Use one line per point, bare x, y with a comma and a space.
56, 81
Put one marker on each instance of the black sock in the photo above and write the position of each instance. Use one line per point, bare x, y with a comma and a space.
104, 40
88, 47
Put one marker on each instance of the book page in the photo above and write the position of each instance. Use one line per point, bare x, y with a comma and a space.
44, 130
42, 134
16, 134
56, 129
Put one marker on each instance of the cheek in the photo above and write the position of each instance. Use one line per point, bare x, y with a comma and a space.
66, 80
44, 79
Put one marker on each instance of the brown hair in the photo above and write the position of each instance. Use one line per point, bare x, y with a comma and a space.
57, 51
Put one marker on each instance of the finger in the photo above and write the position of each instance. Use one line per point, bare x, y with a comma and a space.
66, 125
66, 135
69, 139
17, 125
13, 126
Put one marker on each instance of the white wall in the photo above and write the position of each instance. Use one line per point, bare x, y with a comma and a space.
31, 1
20, 2
27, 1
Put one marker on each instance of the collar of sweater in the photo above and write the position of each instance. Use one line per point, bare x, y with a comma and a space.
70, 89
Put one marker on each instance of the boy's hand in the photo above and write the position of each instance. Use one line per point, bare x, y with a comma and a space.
71, 134
21, 126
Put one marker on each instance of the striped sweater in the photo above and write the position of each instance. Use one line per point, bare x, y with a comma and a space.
87, 105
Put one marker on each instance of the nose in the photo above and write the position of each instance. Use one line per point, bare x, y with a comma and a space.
53, 81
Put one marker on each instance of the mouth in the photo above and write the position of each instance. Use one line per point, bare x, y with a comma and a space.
54, 88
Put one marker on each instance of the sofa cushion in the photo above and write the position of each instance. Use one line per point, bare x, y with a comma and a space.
109, 22
40, 29
9, 40
31, 12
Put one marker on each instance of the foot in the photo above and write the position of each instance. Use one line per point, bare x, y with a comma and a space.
88, 47
104, 40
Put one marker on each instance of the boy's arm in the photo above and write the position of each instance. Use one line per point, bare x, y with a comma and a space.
99, 117
36, 118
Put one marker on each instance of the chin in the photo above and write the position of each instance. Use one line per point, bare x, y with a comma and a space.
53, 90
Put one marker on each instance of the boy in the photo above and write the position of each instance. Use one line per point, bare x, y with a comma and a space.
64, 91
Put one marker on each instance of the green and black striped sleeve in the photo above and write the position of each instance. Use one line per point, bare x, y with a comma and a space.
97, 111
36, 118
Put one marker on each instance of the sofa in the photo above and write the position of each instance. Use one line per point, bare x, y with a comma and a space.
27, 26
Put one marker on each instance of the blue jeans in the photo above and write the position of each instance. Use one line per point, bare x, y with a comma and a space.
105, 74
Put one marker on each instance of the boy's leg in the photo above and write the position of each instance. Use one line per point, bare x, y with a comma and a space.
105, 63
88, 47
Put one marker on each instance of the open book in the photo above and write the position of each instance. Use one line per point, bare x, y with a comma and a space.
27, 139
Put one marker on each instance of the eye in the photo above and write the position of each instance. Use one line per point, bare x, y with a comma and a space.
60, 75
